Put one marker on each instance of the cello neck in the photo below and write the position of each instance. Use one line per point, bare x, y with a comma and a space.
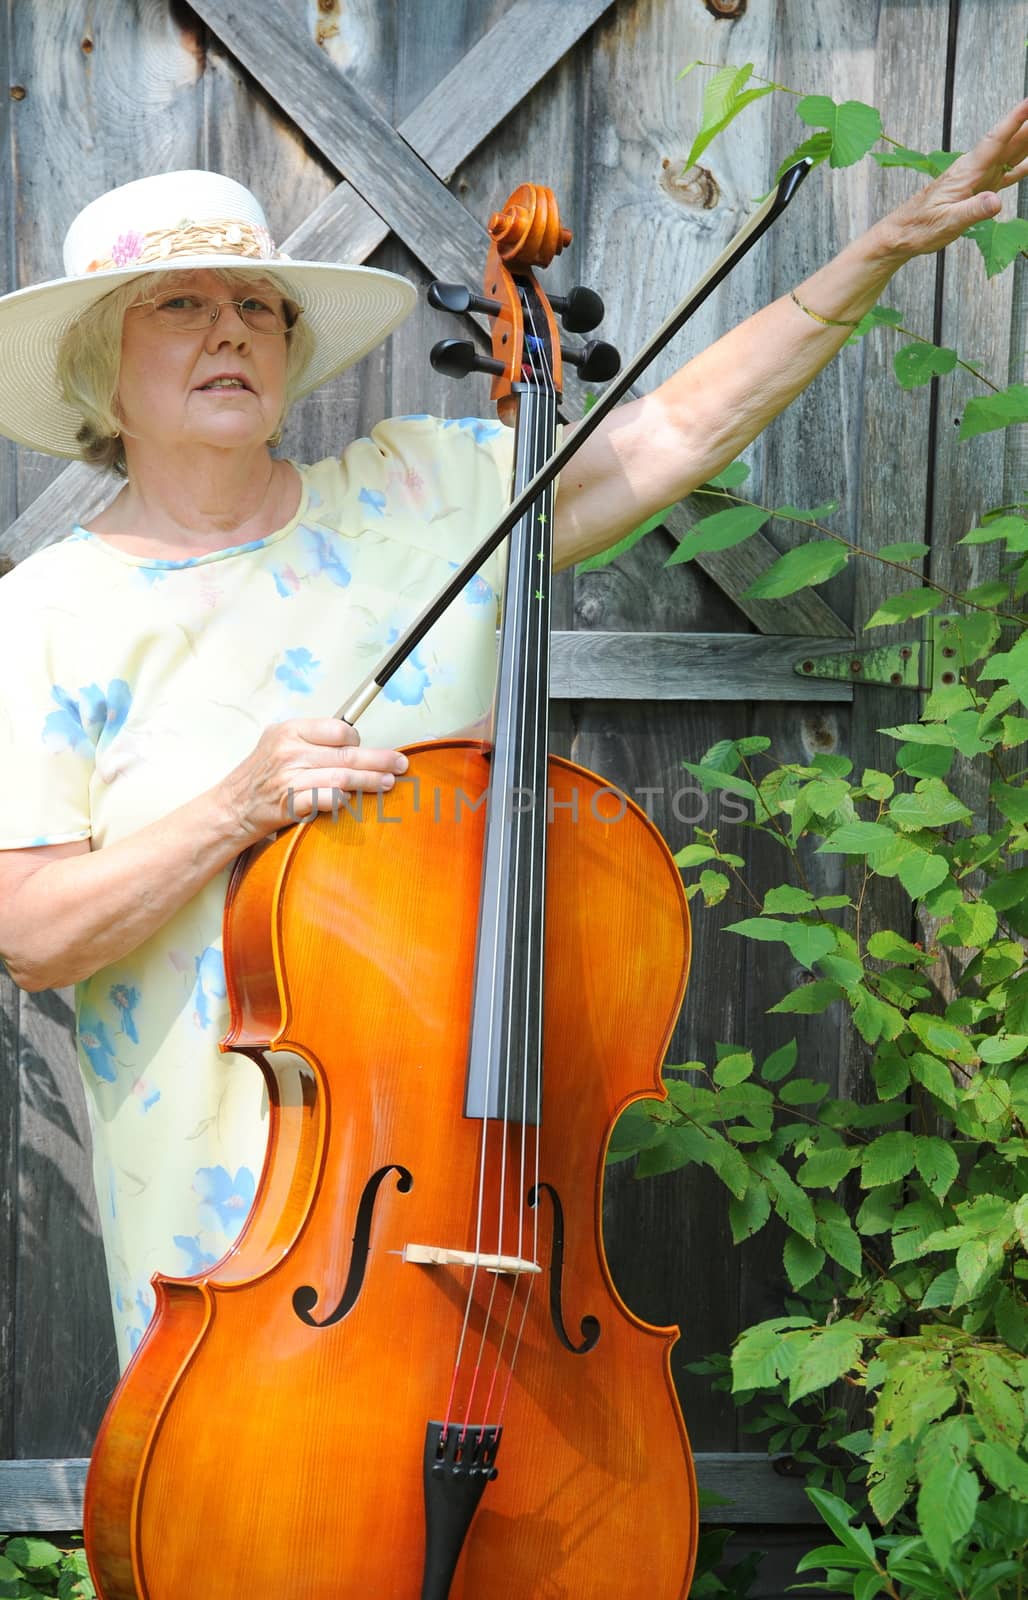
505, 1057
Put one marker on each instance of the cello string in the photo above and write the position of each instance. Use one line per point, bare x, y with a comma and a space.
532, 727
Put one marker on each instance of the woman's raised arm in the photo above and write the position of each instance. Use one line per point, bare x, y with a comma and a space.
651, 452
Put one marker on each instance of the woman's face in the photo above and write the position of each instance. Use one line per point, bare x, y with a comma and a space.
167, 392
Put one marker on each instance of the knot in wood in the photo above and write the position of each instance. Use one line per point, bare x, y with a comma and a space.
726, 10
691, 186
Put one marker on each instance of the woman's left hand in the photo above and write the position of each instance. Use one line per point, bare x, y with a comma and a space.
967, 192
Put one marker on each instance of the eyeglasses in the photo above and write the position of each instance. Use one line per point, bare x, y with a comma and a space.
188, 313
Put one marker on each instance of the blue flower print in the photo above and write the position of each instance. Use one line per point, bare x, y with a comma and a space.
126, 999
409, 682
374, 501
286, 581
82, 724
141, 1308
325, 555
97, 1044
300, 671
313, 499
197, 1260
210, 984
476, 591
479, 429
146, 1094
224, 1201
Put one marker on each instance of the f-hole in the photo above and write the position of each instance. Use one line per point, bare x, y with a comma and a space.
306, 1297
589, 1326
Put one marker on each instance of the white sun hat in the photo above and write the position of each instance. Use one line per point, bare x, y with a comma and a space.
171, 222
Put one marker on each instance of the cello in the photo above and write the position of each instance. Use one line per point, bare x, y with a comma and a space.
412, 1378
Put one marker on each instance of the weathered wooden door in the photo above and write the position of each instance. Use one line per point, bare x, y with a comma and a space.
387, 133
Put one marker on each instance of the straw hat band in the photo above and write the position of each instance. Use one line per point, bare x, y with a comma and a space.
189, 238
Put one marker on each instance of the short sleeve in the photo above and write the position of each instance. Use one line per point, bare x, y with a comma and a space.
48, 728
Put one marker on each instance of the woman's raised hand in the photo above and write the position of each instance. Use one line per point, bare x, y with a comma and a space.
967, 192
274, 785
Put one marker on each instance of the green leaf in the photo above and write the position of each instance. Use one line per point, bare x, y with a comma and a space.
780, 1062
858, 839
906, 550
919, 363
825, 1169
693, 855
946, 1504
836, 1233
818, 147
730, 477
900, 156
788, 899
920, 872
603, 558
1011, 800
748, 1214
941, 1038
992, 411
999, 242
711, 778
719, 531
806, 941
931, 805
791, 513
902, 607
888, 946
1003, 1047
826, 1356
936, 1161
31, 1554
874, 1019
1013, 529
801, 568
934, 1075
809, 998
1004, 1467
887, 1158
723, 98
802, 1092
802, 1260
733, 1069
836, 1514
713, 886
854, 127
761, 1354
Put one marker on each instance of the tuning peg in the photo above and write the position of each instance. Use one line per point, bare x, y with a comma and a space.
596, 361
454, 297
455, 358
581, 310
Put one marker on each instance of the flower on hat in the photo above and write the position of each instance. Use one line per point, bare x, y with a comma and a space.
127, 247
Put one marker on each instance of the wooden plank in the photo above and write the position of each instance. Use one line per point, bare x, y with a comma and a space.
348, 129
41, 1496
735, 570
689, 666
495, 76
9, 1121
66, 1366
78, 494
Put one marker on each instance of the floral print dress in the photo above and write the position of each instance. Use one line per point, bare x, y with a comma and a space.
132, 685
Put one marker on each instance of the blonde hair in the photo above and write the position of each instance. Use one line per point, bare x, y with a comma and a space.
89, 364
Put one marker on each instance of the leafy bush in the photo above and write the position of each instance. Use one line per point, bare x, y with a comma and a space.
34, 1569
905, 1218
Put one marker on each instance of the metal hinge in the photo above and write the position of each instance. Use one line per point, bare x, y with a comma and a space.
924, 663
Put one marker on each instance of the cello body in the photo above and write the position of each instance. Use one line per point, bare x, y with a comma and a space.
281, 1398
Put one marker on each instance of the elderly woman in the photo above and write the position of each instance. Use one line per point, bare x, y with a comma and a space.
170, 672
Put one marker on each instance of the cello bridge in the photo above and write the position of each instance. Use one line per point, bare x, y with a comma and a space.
437, 1255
